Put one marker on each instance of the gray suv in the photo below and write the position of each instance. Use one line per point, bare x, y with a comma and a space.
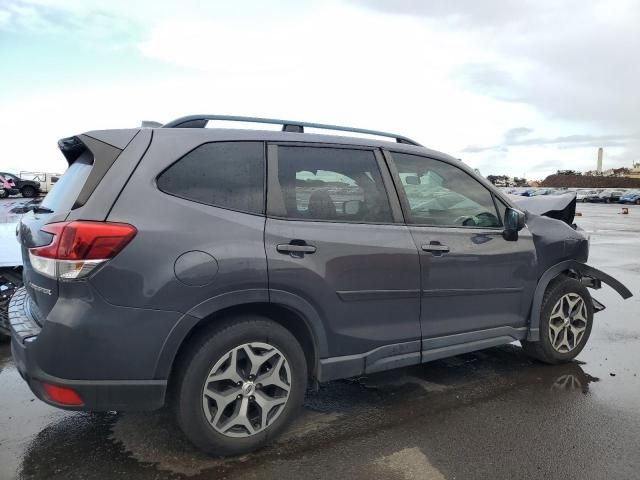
223, 271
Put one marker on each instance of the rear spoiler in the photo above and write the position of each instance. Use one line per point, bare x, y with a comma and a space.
103, 148
71, 148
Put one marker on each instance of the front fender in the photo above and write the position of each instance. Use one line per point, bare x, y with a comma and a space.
584, 272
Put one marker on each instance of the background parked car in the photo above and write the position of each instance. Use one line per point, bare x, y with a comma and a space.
582, 195
632, 196
6, 186
593, 197
27, 188
607, 196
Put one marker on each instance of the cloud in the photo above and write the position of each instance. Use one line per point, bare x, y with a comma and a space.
572, 60
64, 19
456, 75
514, 134
519, 137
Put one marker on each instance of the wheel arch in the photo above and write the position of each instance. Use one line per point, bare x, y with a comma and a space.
581, 271
304, 325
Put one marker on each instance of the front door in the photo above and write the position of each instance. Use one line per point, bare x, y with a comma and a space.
473, 280
335, 239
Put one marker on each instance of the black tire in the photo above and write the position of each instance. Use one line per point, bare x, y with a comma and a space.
543, 350
638, 202
209, 347
28, 191
10, 280
4, 193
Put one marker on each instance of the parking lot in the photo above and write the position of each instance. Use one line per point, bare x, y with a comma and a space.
491, 414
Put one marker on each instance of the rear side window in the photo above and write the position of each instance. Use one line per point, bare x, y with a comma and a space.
66, 190
222, 174
331, 184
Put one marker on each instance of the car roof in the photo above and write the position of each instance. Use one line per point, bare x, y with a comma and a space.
243, 134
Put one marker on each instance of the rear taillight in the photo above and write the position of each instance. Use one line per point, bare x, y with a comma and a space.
62, 395
77, 248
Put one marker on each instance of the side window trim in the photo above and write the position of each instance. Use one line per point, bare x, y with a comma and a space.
404, 201
395, 176
389, 187
275, 198
275, 207
496, 199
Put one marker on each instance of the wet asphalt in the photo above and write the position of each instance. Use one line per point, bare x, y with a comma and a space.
491, 414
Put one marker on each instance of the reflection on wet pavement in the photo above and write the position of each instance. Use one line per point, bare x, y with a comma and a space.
343, 411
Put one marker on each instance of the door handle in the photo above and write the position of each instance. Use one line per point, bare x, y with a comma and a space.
297, 249
436, 248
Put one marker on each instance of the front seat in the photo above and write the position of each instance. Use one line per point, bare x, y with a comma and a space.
321, 206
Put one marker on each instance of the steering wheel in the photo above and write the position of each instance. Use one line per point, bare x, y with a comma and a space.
482, 219
466, 221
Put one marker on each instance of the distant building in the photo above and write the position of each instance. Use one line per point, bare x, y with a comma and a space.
599, 165
635, 171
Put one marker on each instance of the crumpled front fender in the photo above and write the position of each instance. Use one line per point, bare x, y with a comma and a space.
591, 277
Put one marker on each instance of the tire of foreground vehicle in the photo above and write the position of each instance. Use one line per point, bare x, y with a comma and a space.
239, 385
566, 318
28, 191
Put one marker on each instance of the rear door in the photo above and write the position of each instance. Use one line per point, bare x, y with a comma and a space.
472, 278
334, 238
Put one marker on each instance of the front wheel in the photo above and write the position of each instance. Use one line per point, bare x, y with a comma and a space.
239, 385
566, 318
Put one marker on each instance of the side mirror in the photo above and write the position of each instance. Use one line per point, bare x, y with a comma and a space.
513, 223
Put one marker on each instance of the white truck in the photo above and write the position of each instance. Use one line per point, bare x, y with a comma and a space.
47, 180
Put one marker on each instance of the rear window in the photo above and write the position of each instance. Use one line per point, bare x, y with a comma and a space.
66, 190
222, 174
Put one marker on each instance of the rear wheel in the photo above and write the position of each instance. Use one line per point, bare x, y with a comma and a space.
4, 193
566, 318
28, 191
239, 385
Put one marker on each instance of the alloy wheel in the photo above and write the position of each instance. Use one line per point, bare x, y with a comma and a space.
568, 322
246, 390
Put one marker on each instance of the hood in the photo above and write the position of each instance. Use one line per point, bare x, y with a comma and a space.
561, 207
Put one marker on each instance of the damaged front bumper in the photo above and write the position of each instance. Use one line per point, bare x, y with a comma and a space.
586, 274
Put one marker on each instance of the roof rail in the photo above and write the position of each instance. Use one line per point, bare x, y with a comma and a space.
200, 121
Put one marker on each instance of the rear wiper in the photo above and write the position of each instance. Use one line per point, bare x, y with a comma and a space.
39, 209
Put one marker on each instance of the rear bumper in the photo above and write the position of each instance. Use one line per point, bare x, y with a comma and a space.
101, 395
96, 395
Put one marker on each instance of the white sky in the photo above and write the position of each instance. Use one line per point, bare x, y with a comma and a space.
517, 88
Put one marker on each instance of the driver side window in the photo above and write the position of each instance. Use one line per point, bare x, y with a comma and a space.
440, 194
